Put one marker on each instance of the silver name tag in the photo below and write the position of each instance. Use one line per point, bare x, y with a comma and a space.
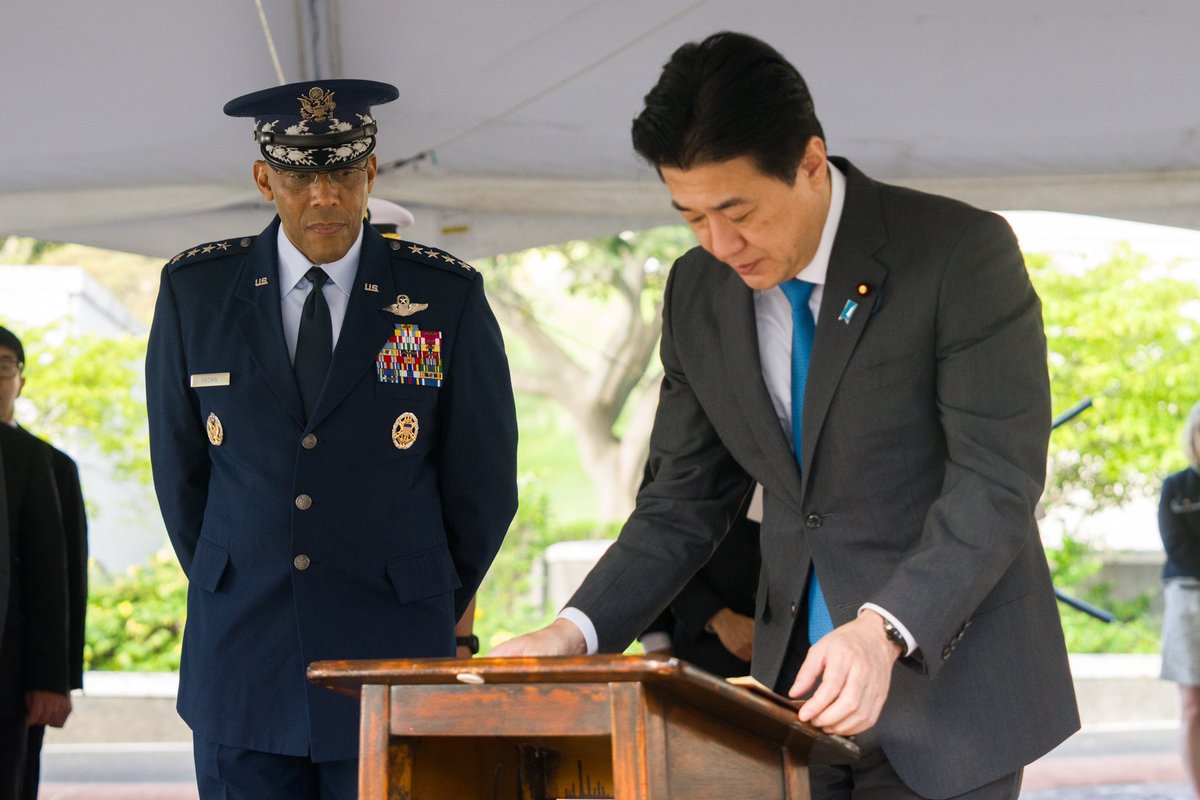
210, 379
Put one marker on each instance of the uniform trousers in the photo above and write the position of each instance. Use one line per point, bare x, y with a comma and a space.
234, 773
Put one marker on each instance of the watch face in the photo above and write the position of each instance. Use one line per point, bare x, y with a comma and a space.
894, 635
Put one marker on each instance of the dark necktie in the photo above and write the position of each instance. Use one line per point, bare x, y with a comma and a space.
798, 293
314, 343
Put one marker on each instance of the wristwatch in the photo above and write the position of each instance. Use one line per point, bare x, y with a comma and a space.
470, 642
895, 636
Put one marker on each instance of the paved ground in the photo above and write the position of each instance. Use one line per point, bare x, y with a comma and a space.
1117, 763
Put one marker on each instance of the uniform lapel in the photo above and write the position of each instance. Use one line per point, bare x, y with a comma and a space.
734, 309
261, 323
851, 262
365, 328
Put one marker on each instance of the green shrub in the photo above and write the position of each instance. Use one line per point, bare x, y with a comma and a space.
1074, 567
505, 606
135, 619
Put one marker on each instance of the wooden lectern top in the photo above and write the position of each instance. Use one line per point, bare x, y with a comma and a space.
763, 713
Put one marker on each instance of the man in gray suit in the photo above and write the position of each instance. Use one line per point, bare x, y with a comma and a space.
901, 441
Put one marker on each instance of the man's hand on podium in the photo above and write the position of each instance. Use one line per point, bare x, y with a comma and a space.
854, 664
559, 638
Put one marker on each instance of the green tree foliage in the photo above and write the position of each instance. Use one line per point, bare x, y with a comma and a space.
1125, 333
508, 602
1074, 567
84, 390
135, 619
583, 321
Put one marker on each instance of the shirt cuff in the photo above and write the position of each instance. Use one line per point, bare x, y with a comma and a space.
655, 642
581, 621
909, 642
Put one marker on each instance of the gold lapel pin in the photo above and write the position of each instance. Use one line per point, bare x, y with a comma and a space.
216, 432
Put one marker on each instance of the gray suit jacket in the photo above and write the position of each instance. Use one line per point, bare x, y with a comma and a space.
926, 422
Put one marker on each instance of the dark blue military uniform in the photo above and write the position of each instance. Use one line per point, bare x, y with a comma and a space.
361, 532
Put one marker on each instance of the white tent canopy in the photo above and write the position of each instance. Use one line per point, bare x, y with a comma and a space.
516, 114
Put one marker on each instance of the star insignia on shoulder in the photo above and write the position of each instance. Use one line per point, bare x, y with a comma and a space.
417, 249
205, 251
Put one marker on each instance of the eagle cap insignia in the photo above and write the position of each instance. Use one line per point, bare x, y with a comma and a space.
405, 430
404, 308
317, 104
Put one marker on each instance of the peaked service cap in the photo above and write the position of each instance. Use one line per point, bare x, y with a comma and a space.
314, 125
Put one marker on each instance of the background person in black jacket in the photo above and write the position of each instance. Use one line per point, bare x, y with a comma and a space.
74, 523
710, 623
34, 677
1179, 525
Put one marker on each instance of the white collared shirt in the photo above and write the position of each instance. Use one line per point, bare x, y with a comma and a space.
294, 287
773, 312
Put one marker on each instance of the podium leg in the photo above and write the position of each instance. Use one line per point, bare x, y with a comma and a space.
378, 765
638, 744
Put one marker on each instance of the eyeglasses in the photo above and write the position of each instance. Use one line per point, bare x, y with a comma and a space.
345, 178
9, 368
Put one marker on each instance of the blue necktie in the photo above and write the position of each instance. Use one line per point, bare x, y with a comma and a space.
798, 292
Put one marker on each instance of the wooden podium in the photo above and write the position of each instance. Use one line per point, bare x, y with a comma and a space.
621, 727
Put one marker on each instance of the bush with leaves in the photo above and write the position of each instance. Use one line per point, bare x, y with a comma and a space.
135, 619
1074, 567
506, 605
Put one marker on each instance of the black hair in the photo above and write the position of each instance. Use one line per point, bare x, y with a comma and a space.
730, 95
9, 339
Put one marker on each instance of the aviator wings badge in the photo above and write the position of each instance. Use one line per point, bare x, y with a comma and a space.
404, 308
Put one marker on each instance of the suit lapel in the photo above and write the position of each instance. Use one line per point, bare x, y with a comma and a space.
734, 309
860, 234
261, 324
365, 328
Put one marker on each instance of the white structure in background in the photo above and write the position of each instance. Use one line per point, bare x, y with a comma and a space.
124, 524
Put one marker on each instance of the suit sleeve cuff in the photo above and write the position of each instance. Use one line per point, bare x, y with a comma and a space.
581, 621
909, 642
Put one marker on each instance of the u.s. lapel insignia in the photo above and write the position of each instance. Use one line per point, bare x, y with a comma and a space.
404, 308
371, 287
404, 430
216, 433
260, 281
848, 311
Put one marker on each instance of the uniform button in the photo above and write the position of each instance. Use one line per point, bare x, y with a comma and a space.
303, 502
301, 562
813, 521
309, 441
793, 609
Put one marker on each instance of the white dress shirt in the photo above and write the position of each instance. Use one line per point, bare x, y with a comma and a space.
294, 287
773, 319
